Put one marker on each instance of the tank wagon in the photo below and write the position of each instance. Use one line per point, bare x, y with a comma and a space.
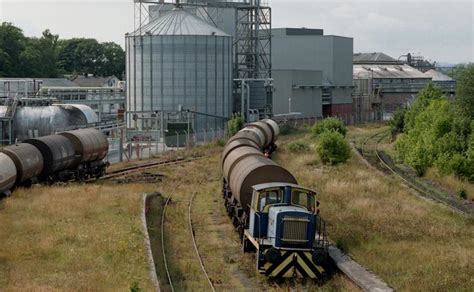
68, 155
275, 217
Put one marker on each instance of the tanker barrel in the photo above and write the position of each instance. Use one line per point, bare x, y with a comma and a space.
7, 173
265, 130
274, 127
235, 156
254, 170
58, 153
27, 158
89, 144
248, 135
236, 144
261, 136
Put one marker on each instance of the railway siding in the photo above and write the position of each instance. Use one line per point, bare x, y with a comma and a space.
371, 154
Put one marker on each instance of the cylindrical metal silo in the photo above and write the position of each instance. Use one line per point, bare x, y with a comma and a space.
179, 59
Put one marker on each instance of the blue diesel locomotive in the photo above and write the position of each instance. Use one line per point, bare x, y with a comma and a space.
276, 218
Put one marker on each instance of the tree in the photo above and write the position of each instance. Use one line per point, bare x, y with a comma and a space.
397, 123
81, 56
40, 57
113, 60
12, 43
465, 92
436, 134
48, 56
423, 99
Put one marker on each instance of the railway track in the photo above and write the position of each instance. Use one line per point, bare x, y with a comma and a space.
198, 255
144, 166
193, 237
380, 160
165, 260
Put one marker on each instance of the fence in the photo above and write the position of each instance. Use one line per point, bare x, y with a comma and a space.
149, 145
141, 145
348, 119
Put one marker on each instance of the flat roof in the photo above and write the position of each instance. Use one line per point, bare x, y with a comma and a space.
297, 31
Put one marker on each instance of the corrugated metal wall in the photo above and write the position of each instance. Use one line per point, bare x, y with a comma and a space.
194, 71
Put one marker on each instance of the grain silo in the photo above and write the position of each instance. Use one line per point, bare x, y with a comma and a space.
178, 59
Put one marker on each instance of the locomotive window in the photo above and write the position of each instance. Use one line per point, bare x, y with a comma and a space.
269, 197
304, 199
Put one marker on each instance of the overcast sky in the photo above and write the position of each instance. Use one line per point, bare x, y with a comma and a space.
440, 30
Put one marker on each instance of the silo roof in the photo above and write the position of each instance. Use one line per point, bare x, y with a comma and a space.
178, 22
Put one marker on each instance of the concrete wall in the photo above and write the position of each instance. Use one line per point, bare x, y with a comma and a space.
306, 100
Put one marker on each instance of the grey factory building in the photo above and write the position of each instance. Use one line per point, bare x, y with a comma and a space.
312, 73
384, 84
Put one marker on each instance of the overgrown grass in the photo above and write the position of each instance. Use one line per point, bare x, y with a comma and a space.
89, 237
77, 237
413, 244
298, 147
451, 182
228, 268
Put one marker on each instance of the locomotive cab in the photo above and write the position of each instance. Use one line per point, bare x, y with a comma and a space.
286, 230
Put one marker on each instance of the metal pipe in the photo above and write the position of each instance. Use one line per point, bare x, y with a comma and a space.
248, 101
242, 98
177, 140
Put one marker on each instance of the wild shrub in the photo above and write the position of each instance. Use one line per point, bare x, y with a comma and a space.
286, 130
333, 148
235, 124
329, 124
461, 193
297, 147
437, 134
220, 142
397, 123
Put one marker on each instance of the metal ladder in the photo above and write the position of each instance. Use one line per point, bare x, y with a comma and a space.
7, 121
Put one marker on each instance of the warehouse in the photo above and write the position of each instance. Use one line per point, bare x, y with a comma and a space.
312, 73
446, 83
384, 84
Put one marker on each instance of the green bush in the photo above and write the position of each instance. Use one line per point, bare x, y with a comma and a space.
461, 193
286, 130
333, 148
297, 146
329, 124
437, 134
397, 123
220, 142
235, 124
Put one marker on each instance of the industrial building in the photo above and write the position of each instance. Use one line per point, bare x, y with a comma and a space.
178, 61
384, 84
194, 64
446, 83
105, 95
311, 72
